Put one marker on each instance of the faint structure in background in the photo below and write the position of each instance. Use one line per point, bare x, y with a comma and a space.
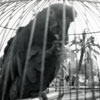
79, 73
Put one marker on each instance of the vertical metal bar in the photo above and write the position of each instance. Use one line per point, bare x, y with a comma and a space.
27, 56
63, 32
8, 68
93, 90
56, 84
77, 83
85, 79
63, 80
6, 76
60, 82
44, 48
77, 73
64, 24
99, 81
69, 79
97, 7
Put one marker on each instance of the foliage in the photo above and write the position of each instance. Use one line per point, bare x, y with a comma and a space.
86, 45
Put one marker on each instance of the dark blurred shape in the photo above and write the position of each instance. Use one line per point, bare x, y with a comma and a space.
19, 52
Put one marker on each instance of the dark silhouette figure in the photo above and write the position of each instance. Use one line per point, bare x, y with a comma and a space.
19, 52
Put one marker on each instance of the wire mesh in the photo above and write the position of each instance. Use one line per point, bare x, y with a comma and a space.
78, 76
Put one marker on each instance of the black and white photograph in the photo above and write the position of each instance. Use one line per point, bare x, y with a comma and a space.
49, 49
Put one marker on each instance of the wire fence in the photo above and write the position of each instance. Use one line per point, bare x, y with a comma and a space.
49, 49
